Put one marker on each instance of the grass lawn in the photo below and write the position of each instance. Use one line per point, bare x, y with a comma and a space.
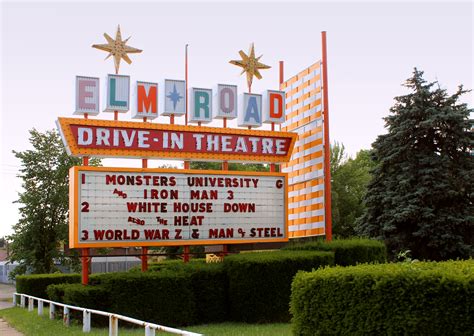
31, 324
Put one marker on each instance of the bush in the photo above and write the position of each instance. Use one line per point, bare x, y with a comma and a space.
391, 299
348, 251
36, 284
164, 297
260, 283
209, 285
56, 292
93, 297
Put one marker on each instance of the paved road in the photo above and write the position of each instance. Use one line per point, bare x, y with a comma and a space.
6, 292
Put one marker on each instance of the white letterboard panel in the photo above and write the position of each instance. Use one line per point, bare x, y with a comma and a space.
156, 207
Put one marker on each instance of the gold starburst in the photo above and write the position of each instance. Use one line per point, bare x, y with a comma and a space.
117, 48
250, 65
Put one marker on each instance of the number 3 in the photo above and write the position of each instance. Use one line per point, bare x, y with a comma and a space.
231, 195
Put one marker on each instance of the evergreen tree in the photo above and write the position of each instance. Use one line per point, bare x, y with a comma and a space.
421, 194
43, 226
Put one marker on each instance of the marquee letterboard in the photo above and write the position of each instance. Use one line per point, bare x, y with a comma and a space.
113, 207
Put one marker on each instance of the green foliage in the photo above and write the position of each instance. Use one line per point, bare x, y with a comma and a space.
232, 166
349, 178
36, 284
348, 251
386, 299
94, 297
55, 292
421, 195
209, 286
42, 228
30, 324
164, 297
348, 187
259, 283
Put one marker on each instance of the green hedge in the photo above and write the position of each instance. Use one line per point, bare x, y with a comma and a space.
391, 299
260, 283
164, 297
36, 284
209, 286
348, 251
93, 297
56, 292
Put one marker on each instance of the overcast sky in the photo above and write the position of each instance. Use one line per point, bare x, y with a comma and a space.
372, 48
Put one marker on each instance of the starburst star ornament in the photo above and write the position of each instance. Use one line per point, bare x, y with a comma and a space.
250, 65
117, 48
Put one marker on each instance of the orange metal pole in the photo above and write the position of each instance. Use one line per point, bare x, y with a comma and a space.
85, 251
186, 163
327, 167
273, 166
85, 266
186, 80
225, 166
144, 259
186, 253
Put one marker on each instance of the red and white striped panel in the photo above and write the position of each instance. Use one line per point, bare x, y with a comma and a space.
305, 169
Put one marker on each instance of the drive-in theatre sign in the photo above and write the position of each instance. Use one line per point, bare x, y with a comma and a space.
102, 138
113, 207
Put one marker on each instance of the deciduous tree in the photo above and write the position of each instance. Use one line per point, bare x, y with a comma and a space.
42, 227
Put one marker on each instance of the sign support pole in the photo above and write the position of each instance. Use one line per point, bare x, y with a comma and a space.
225, 166
144, 256
186, 163
85, 266
85, 251
327, 145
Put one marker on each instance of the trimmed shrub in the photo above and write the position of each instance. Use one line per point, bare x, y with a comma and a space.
36, 284
93, 297
260, 283
391, 299
164, 297
348, 251
56, 292
209, 285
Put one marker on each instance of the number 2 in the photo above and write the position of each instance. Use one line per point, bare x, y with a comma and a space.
85, 207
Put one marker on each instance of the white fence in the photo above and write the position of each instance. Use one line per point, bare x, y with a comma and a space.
150, 328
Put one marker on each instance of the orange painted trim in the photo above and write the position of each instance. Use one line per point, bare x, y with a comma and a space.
302, 73
305, 197
132, 153
303, 233
306, 184
303, 86
293, 102
302, 122
74, 173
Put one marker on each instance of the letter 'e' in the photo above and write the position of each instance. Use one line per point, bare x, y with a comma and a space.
87, 95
